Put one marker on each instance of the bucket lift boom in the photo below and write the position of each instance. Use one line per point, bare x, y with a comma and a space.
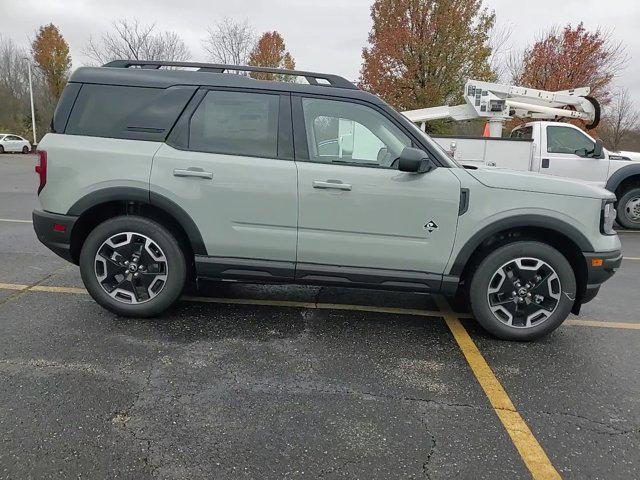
498, 103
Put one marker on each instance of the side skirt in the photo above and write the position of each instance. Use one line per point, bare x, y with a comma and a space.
270, 271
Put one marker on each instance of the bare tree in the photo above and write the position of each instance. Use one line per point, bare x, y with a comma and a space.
14, 86
501, 53
131, 39
13, 69
230, 42
621, 119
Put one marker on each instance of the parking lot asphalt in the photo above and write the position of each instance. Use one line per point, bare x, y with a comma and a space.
248, 381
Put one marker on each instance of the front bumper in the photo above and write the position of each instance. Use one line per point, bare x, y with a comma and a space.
600, 267
54, 231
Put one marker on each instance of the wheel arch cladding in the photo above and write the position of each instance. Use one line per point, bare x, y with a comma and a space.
629, 174
103, 204
556, 233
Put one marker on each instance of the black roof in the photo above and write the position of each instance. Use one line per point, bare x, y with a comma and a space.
149, 74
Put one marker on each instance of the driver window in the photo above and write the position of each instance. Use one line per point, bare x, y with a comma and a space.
350, 133
567, 140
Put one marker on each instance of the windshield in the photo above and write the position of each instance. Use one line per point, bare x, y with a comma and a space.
436, 145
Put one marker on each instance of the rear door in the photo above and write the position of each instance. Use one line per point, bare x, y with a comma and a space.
569, 154
361, 220
229, 165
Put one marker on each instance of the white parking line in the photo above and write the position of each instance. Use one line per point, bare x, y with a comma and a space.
13, 220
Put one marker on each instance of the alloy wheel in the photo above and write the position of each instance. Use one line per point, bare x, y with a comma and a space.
524, 292
131, 267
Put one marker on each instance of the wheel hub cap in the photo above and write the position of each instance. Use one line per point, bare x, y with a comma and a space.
632, 209
131, 267
524, 292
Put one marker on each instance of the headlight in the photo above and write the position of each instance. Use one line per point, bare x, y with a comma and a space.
607, 217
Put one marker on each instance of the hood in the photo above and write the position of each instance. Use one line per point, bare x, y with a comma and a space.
537, 182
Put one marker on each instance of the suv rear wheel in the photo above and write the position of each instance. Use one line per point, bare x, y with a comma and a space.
523, 290
133, 266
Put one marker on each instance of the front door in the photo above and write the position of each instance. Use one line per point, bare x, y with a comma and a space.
230, 167
361, 220
569, 153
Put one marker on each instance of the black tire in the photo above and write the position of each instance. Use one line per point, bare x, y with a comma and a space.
628, 203
1, 149
175, 264
25, 149
488, 270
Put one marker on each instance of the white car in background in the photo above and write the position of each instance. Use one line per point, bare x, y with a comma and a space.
13, 143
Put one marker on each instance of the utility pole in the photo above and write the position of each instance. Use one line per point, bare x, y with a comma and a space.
33, 113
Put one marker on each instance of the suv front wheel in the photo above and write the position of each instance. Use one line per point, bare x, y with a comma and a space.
523, 290
133, 266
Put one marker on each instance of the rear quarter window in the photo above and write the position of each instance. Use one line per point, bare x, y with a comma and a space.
139, 113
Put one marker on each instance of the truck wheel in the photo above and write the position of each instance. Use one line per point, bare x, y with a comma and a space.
133, 266
629, 209
522, 291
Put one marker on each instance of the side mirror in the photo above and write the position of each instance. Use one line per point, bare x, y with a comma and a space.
598, 149
414, 160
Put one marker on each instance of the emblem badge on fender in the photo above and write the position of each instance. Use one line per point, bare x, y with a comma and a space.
431, 227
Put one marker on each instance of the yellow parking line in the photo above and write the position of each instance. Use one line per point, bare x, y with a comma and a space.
530, 450
601, 324
12, 286
314, 305
12, 220
46, 288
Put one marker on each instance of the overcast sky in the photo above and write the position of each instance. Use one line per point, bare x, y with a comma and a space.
323, 35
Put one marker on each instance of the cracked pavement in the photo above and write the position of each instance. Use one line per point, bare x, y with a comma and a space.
221, 391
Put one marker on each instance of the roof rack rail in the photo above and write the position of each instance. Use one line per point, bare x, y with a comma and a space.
312, 78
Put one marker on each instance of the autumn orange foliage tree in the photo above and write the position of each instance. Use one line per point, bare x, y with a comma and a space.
421, 52
270, 51
51, 54
568, 58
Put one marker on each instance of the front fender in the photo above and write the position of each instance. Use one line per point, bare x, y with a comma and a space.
515, 220
622, 174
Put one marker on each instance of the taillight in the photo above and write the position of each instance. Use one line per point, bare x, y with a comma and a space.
41, 169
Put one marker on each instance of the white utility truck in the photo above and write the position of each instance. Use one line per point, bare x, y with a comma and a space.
546, 145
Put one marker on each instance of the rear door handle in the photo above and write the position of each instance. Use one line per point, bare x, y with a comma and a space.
192, 172
331, 184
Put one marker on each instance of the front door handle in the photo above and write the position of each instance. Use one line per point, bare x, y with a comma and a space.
331, 184
545, 163
192, 172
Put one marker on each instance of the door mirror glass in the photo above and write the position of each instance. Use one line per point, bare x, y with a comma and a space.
414, 160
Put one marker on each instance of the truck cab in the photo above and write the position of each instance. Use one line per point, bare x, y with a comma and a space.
564, 150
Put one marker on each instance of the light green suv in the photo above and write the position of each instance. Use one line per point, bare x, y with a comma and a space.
154, 176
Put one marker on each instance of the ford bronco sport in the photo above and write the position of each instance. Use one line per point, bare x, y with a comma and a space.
152, 176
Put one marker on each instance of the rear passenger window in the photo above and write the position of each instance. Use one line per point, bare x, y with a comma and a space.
104, 110
236, 123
